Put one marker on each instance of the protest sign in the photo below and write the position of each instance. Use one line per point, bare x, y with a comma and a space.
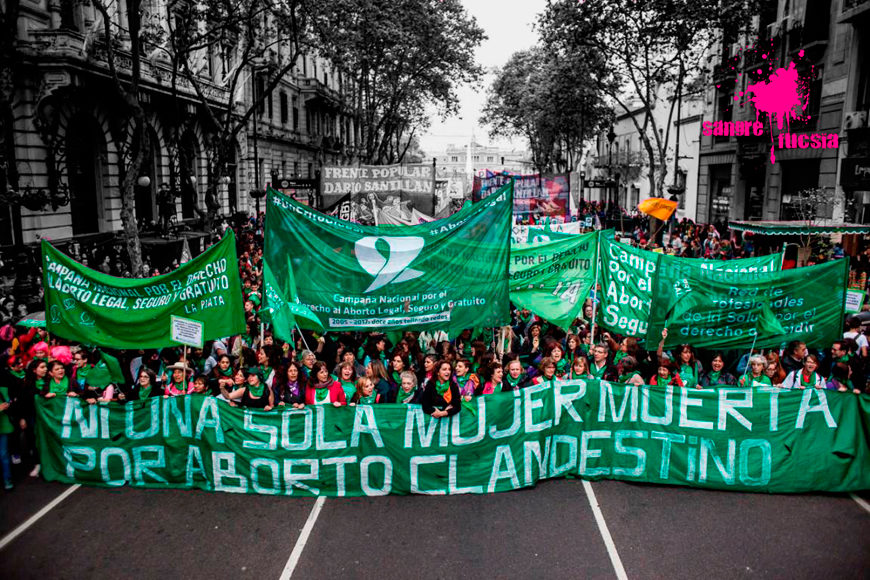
854, 301
447, 275
736, 309
758, 440
552, 279
536, 197
186, 331
93, 308
383, 194
522, 234
627, 276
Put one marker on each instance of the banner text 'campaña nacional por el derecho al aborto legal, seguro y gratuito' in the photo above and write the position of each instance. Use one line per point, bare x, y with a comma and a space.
763, 439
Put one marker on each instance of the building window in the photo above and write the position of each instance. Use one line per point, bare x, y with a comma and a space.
261, 88
295, 126
723, 113
454, 159
476, 158
310, 171
295, 169
490, 159
285, 113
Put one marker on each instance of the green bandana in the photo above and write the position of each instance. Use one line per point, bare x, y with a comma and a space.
628, 377
513, 382
17, 374
321, 395
226, 373
596, 372
256, 392
59, 388
349, 389
561, 367
714, 377
402, 396
442, 387
575, 376
370, 400
811, 384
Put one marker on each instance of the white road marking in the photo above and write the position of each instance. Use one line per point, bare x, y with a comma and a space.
35, 517
303, 539
605, 533
861, 502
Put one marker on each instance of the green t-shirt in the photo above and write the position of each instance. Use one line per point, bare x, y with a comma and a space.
5, 423
687, 373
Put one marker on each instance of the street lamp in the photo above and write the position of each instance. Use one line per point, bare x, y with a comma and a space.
611, 137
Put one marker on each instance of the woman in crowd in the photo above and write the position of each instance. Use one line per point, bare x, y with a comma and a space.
408, 392
478, 354
447, 351
376, 349
688, 367
378, 374
308, 360
347, 356
221, 375
56, 383
547, 370
755, 377
841, 379
572, 348
579, 368
178, 383
666, 375
397, 367
441, 395
495, 382
144, 387
515, 378
289, 386
628, 372
806, 377
323, 389
531, 348
266, 364
347, 378
255, 394
467, 381
428, 370
35, 379
774, 369
716, 376
554, 351
365, 393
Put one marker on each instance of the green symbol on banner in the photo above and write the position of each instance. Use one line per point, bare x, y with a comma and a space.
68, 304
87, 319
393, 268
55, 314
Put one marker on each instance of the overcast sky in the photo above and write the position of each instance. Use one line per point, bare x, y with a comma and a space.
508, 26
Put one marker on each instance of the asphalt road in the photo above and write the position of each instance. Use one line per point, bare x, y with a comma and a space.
546, 532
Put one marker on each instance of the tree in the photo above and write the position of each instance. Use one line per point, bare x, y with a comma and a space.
131, 128
397, 58
553, 102
652, 50
8, 59
254, 37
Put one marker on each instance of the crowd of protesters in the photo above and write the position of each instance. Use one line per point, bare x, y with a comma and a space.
438, 371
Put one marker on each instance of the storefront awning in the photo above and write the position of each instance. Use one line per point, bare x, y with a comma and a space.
797, 228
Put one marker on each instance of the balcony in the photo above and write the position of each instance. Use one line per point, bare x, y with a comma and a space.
724, 72
854, 10
318, 94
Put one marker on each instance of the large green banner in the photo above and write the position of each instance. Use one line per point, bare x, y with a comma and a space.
735, 309
449, 274
552, 278
763, 440
630, 275
93, 308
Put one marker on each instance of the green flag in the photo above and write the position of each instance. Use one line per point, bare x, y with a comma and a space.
93, 308
552, 279
727, 309
630, 275
448, 274
283, 314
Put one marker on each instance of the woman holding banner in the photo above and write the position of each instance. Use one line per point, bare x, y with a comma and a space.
221, 375
289, 386
322, 388
255, 394
755, 376
806, 377
441, 397
56, 382
717, 376
515, 379
178, 383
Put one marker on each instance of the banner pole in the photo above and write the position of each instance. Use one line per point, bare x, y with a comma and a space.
303, 338
595, 290
184, 359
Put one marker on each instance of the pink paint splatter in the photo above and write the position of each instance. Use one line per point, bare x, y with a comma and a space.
778, 96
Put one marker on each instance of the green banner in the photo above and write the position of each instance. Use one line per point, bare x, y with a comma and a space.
727, 309
762, 440
628, 277
449, 274
93, 308
553, 278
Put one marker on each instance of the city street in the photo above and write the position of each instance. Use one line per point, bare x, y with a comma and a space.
547, 532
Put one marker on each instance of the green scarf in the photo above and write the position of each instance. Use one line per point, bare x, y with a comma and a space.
17, 374
626, 378
812, 382
573, 376
397, 377
256, 392
402, 396
266, 370
59, 388
595, 371
180, 387
349, 389
460, 381
514, 382
321, 395
442, 388
687, 373
619, 356
370, 400
561, 367
714, 377
226, 373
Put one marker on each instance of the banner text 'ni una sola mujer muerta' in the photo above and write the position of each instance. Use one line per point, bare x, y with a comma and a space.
763, 440
448, 274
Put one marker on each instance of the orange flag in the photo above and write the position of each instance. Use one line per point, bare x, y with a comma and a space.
657, 207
